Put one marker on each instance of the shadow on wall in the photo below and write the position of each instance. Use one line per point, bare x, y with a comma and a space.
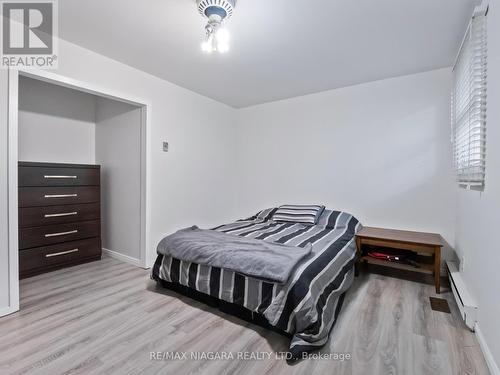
55, 101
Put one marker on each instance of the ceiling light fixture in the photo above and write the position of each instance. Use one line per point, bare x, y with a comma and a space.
216, 11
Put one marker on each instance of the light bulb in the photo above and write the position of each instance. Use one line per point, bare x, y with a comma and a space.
209, 45
222, 39
222, 47
205, 47
222, 35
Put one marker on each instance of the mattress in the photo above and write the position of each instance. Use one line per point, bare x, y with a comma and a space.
307, 305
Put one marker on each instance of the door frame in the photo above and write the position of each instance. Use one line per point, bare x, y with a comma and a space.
13, 157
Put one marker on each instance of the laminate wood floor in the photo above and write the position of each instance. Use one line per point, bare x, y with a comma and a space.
107, 317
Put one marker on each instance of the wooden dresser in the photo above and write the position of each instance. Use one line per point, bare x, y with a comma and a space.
59, 216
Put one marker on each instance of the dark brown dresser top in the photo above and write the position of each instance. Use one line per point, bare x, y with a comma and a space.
56, 165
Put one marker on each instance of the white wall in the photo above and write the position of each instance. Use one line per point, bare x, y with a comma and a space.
479, 213
56, 124
379, 150
118, 151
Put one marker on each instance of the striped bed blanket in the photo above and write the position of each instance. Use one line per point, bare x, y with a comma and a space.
307, 305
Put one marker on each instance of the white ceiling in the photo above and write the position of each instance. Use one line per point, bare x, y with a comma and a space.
279, 48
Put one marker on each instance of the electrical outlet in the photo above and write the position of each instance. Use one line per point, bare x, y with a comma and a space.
462, 264
165, 146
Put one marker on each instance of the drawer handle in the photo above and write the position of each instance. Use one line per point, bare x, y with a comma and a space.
61, 253
61, 233
58, 177
61, 214
60, 195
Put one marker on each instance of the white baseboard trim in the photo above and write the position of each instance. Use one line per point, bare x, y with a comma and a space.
122, 257
7, 311
490, 361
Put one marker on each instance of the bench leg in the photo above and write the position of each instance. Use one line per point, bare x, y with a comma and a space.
437, 269
358, 257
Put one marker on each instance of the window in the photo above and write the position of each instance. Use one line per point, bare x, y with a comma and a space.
468, 114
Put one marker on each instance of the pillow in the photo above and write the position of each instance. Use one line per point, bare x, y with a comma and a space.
295, 213
263, 215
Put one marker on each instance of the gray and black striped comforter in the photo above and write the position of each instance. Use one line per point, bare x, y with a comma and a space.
306, 306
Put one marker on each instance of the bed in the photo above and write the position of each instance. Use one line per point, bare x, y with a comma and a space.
305, 306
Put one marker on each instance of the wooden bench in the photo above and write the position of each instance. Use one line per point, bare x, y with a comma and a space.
429, 244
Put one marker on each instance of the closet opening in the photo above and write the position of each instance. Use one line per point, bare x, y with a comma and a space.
81, 172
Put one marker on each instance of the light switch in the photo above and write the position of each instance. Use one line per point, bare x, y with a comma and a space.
165, 146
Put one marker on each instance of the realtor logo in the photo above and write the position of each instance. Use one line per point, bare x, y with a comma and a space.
29, 34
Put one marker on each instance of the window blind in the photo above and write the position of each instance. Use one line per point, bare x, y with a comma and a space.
468, 104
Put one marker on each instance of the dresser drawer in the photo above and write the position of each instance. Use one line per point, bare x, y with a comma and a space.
55, 196
51, 234
58, 176
37, 260
38, 216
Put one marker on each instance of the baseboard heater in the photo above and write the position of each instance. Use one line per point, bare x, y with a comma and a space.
466, 305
